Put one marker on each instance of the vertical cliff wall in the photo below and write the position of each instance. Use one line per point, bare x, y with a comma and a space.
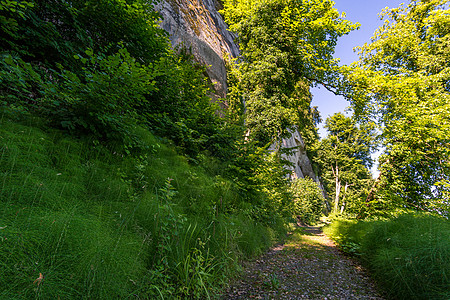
302, 166
197, 25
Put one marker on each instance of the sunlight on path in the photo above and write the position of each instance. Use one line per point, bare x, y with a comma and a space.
307, 266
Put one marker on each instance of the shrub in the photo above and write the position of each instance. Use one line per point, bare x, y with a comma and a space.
308, 200
102, 99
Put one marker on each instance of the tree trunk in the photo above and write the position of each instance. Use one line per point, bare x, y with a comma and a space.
338, 189
343, 198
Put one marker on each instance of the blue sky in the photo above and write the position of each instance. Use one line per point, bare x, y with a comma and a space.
366, 13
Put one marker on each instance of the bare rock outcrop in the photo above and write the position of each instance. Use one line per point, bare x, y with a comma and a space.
302, 166
197, 25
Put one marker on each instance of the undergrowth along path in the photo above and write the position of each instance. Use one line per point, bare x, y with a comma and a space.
307, 266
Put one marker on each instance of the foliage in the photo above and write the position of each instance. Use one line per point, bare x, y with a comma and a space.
402, 81
19, 83
272, 282
183, 112
11, 13
286, 46
102, 67
261, 178
101, 207
308, 200
101, 224
53, 31
408, 254
344, 160
103, 99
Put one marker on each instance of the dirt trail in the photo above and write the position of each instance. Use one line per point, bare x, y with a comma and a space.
308, 266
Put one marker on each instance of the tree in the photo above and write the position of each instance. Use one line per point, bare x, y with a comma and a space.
344, 158
402, 80
286, 46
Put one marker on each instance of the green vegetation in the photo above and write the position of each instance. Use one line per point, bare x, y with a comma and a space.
90, 197
119, 178
344, 160
286, 47
282, 58
100, 68
409, 254
308, 201
95, 202
102, 224
402, 82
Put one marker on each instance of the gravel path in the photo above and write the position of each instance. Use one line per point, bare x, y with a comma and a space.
308, 266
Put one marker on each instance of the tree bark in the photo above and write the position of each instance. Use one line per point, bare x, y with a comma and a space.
338, 188
343, 198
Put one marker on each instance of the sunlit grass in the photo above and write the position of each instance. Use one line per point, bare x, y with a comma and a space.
409, 255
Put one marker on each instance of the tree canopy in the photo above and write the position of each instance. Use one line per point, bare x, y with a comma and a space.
402, 80
286, 46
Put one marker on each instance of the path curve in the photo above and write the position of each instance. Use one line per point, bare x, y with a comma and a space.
307, 266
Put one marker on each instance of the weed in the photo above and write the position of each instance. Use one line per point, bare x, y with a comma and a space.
272, 282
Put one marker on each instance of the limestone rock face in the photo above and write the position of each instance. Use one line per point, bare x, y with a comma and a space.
197, 25
302, 165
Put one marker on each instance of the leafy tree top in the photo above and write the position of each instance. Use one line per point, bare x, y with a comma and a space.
286, 46
402, 80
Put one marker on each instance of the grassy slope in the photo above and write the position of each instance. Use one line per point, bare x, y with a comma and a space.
102, 225
409, 255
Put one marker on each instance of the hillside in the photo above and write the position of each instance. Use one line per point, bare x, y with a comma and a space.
98, 223
119, 177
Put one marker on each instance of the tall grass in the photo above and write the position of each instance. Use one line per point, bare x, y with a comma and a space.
409, 255
99, 224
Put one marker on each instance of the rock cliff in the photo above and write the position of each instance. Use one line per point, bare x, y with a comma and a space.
302, 166
197, 25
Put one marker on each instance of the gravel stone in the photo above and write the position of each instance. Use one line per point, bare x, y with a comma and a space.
310, 267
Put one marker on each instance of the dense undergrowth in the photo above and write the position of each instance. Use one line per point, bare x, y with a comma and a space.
408, 255
98, 223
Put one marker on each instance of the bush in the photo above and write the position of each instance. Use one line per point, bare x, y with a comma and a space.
308, 200
103, 99
52, 31
409, 255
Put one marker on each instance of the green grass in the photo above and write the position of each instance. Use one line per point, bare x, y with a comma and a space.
409, 255
101, 224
